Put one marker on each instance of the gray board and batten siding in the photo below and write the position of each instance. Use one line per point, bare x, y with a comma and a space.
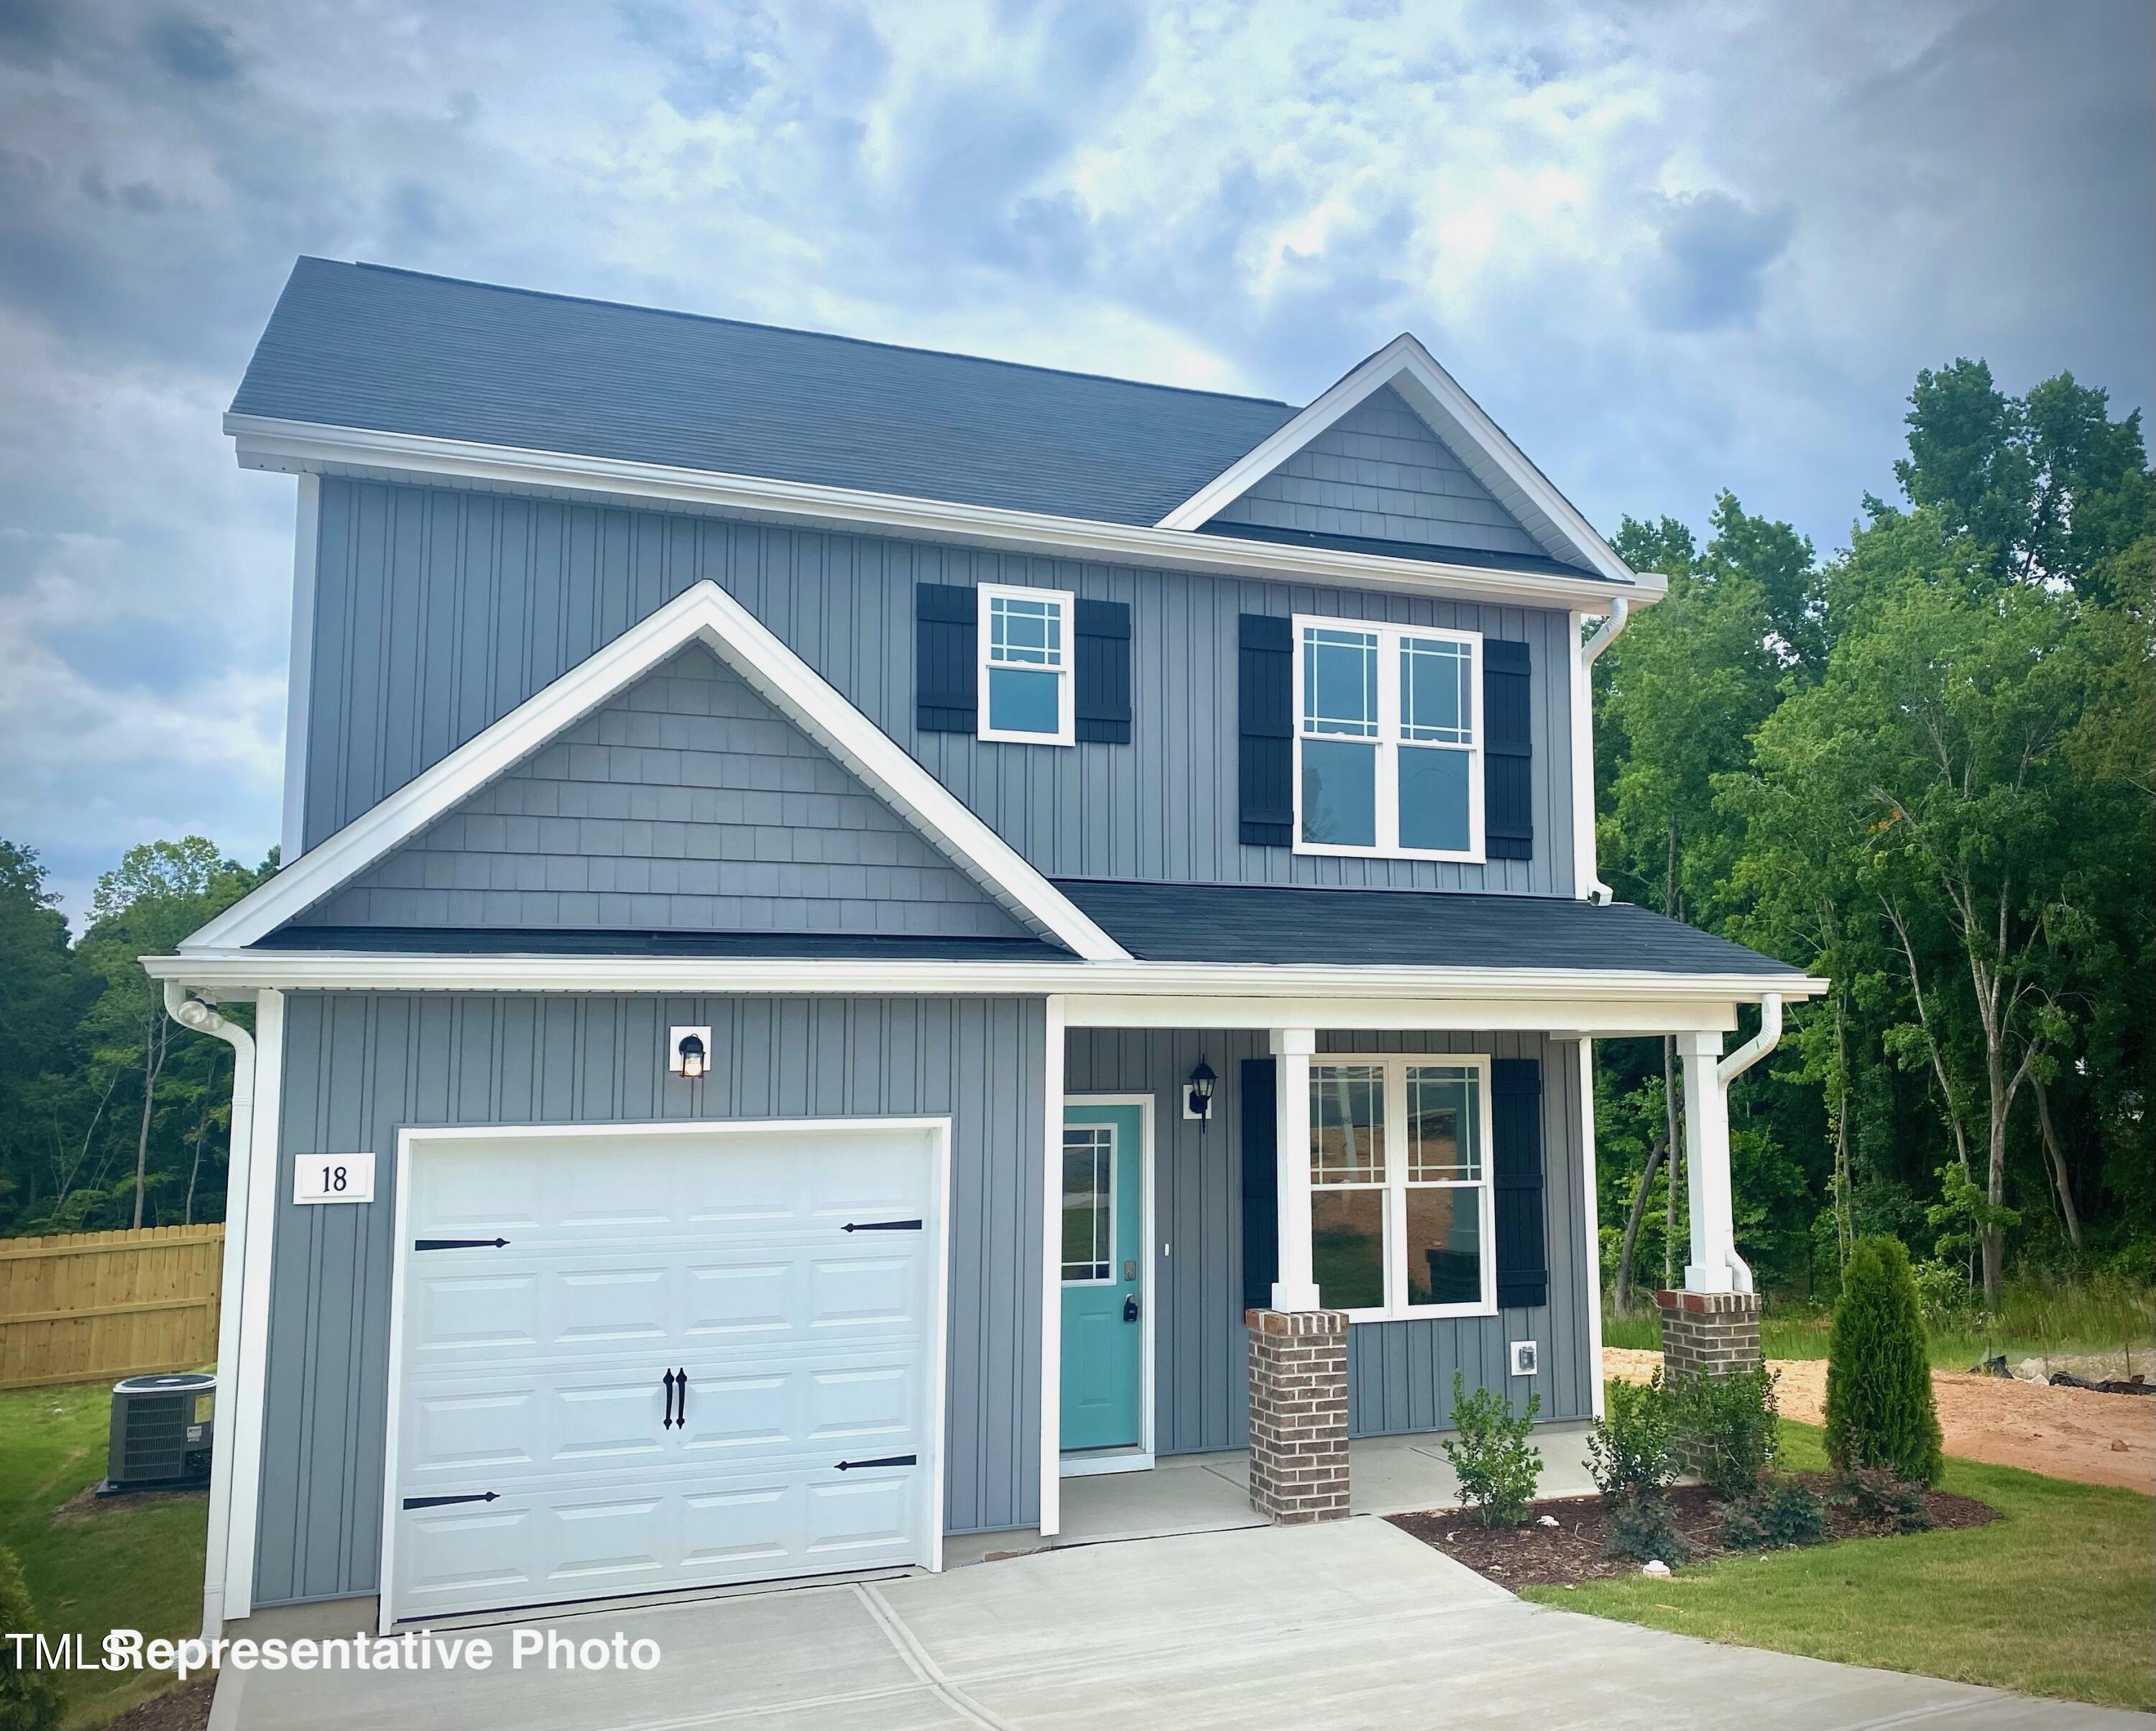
1399, 1373
439, 610
358, 1067
1379, 474
687, 804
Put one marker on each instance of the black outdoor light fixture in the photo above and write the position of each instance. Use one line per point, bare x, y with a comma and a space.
1200, 1102
691, 1052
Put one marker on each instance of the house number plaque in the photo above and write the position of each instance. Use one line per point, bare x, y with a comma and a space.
333, 1177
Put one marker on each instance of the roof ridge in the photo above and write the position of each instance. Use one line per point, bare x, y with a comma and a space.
708, 318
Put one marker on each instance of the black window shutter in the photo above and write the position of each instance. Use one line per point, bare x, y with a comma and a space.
1102, 668
1515, 1171
1260, 1184
1265, 717
945, 658
1508, 808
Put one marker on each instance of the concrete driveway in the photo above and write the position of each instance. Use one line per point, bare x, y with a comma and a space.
1350, 1625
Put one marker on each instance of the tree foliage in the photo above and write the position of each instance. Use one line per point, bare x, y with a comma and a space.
1921, 768
1879, 1407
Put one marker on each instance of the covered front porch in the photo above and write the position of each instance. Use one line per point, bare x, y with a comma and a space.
1405, 1186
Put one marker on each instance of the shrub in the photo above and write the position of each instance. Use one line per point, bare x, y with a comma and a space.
1643, 1529
29, 1701
1879, 1410
1872, 1493
1498, 1467
1742, 1528
1792, 1514
1729, 1422
1945, 1300
1631, 1451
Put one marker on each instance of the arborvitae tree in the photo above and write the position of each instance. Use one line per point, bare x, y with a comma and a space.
28, 1700
1878, 1409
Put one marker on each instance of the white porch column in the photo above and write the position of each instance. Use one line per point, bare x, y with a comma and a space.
1296, 1288
1714, 1267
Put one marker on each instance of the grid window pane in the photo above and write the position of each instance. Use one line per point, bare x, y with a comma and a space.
1434, 799
1445, 1140
1022, 701
1347, 1248
1025, 633
1340, 682
1089, 1227
1444, 1245
1436, 688
1347, 1124
1339, 792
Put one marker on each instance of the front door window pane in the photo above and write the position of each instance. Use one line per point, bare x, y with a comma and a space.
1089, 1232
1347, 1124
1339, 792
1021, 701
1347, 1248
1444, 1245
1340, 682
1433, 799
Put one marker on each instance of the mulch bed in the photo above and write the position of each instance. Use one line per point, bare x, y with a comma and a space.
1571, 1552
186, 1708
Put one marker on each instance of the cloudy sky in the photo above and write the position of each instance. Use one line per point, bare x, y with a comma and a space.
1672, 247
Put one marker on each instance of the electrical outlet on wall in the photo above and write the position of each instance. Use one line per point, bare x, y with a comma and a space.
1527, 1359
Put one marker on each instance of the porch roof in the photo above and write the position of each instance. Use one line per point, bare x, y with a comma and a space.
1411, 928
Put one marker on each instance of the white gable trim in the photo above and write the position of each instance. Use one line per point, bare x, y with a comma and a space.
706, 614
1454, 417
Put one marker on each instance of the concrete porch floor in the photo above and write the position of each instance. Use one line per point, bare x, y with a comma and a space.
1210, 1493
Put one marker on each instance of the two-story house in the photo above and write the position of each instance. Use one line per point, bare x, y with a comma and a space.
866, 931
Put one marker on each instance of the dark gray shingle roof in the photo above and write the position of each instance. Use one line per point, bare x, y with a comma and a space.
1405, 928
393, 351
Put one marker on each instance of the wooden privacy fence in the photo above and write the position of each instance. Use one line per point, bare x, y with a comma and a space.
88, 1305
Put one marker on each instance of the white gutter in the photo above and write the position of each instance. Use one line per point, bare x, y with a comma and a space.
302, 447
193, 1013
1732, 1067
1585, 866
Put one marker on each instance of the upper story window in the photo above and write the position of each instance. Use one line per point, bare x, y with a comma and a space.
1400, 1216
1026, 637
1387, 740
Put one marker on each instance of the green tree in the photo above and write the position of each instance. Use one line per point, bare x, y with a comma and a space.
1879, 1406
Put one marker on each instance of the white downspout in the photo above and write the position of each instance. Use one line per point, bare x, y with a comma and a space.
1726, 1071
1585, 655
190, 1012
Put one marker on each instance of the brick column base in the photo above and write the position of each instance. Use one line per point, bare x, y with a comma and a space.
1298, 1414
1707, 1334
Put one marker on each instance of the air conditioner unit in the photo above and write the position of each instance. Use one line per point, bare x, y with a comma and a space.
161, 1431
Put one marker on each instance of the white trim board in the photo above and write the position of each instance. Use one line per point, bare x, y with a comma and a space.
300, 673
299, 447
703, 614
417, 1139
1095, 1462
1466, 430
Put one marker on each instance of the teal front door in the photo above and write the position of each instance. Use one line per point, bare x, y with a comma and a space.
1103, 1262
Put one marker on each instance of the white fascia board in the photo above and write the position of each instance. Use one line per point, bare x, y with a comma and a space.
1457, 420
1551, 989
705, 613
289, 447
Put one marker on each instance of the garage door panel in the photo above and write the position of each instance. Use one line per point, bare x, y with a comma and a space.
532, 1371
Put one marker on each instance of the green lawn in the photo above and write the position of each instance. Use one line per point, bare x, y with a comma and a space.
132, 1562
2058, 1598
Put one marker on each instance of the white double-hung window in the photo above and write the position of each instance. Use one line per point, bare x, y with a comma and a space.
1400, 1217
1025, 678
1387, 740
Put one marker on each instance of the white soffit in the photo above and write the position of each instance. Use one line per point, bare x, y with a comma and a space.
1457, 420
703, 614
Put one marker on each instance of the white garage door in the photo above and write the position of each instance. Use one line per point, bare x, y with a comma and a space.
631, 1361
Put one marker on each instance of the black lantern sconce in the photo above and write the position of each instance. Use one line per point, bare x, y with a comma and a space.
688, 1051
1198, 1095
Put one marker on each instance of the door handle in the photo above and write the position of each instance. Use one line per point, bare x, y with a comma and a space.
681, 1400
677, 1384
1130, 1308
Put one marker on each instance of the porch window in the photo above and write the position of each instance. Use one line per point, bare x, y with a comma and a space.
1026, 638
1400, 1175
1389, 752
